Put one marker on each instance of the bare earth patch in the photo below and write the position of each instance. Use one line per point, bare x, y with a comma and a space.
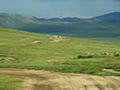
57, 40
110, 70
6, 59
46, 80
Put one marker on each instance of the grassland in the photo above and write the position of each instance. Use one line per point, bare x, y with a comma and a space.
59, 56
112, 40
10, 82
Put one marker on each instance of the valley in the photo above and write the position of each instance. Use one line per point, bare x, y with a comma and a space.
33, 57
104, 26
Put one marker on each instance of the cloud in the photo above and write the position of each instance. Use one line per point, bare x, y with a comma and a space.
64, 15
67, 15
74, 15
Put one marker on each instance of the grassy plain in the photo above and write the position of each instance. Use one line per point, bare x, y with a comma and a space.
8, 82
112, 40
59, 56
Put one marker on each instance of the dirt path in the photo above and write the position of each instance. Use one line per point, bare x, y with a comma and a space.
57, 40
110, 70
6, 59
45, 80
19, 42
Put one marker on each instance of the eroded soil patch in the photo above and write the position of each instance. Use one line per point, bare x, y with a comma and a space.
57, 40
110, 70
6, 59
45, 80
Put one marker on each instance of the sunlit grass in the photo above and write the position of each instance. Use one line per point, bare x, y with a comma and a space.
10, 82
59, 56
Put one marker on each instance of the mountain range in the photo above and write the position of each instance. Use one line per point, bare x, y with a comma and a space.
107, 25
110, 16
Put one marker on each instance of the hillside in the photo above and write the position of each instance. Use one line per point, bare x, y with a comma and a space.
39, 51
110, 16
74, 27
22, 53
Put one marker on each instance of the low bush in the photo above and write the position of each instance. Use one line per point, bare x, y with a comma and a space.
97, 55
89, 56
117, 55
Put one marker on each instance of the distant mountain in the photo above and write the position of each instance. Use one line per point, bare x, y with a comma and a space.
68, 19
75, 27
17, 18
110, 16
16, 21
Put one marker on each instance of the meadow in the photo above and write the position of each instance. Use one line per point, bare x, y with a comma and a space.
8, 82
69, 55
112, 40
59, 56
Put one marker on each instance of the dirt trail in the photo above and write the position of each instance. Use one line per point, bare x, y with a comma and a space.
45, 80
110, 70
6, 59
57, 40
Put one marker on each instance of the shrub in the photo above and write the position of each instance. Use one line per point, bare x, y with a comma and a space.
89, 56
117, 55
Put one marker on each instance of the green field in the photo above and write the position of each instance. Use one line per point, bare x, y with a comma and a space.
71, 55
112, 40
59, 56
8, 82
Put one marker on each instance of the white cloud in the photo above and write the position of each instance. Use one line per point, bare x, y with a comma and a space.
67, 15
64, 15
74, 15
82, 16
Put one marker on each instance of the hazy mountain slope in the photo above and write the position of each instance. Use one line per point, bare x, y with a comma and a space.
74, 27
81, 29
15, 20
110, 16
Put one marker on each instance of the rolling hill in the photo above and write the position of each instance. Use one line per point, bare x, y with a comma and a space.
110, 16
21, 50
107, 25
25, 50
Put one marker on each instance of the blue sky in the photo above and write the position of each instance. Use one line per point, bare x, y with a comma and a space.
60, 8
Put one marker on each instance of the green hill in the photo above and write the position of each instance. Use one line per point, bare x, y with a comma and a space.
110, 16
48, 52
65, 27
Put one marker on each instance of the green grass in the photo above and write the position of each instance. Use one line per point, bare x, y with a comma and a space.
1, 59
10, 82
112, 40
35, 56
59, 56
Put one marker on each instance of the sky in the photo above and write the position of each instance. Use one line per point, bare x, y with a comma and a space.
60, 8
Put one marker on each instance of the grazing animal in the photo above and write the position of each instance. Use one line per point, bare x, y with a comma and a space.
116, 53
59, 36
106, 53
